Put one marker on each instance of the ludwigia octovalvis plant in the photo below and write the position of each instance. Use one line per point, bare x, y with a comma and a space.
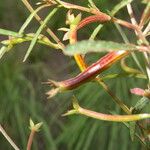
115, 52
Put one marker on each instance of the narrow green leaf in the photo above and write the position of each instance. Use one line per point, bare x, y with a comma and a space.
3, 50
120, 5
128, 69
128, 126
95, 32
34, 40
122, 75
31, 123
29, 19
87, 46
9, 33
136, 134
144, 101
132, 126
137, 109
92, 4
75, 103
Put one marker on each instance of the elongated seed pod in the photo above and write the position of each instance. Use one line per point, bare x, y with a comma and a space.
90, 73
94, 18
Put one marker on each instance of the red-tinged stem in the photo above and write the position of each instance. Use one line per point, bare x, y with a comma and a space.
77, 7
30, 140
73, 39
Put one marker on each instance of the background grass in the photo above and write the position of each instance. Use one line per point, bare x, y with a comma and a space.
23, 96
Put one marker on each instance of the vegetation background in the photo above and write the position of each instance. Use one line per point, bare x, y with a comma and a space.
22, 96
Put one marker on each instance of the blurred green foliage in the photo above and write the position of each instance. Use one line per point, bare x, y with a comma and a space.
23, 96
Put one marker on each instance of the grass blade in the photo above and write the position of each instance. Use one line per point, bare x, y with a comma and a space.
95, 32
9, 33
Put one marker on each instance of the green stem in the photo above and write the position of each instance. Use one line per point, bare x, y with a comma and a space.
114, 118
115, 98
106, 117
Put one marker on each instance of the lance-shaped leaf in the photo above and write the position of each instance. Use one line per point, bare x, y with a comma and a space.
128, 69
87, 46
9, 33
34, 40
29, 19
137, 109
144, 101
4, 49
132, 128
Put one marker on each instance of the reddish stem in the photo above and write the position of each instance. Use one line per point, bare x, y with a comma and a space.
30, 140
95, 18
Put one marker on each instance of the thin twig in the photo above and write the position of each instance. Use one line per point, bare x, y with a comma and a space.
8, 138
114, 97
141, 36
132, 17
147, 29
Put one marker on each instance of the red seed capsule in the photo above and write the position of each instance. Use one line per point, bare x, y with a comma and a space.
90, 73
